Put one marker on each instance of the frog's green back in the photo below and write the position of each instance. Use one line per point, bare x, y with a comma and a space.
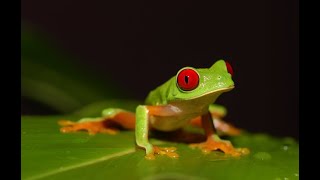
161, 94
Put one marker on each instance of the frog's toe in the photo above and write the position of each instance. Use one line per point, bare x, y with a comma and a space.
168, 151
243, 151
224, 146
67, 129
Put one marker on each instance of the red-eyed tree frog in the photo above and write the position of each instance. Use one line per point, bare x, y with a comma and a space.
187, 97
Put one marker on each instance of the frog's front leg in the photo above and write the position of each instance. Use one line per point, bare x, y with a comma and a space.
213, 141
111, 120
142, 131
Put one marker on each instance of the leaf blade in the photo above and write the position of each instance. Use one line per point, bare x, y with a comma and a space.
45, 150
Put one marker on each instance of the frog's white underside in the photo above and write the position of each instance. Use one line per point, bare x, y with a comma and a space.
185, 110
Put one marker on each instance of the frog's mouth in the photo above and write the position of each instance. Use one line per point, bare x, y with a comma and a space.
217, 92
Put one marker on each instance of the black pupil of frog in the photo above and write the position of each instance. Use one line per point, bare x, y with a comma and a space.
186, 79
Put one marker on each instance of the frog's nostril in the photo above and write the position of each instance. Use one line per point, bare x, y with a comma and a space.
219, 77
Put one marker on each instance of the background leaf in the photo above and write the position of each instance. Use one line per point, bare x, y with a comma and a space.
53, 78
49, 154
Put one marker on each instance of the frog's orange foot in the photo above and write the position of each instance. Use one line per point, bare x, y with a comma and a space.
168, 151
225, 146
91, 127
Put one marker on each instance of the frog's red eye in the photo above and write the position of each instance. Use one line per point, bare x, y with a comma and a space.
188, 79
229, 68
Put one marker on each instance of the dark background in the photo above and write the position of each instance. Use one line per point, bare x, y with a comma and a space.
142, 44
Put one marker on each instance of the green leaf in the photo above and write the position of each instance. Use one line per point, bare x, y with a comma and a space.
49, 154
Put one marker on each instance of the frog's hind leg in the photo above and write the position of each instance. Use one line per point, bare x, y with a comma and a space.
226, 128
110, 122
221, 126
217, 113
213, 141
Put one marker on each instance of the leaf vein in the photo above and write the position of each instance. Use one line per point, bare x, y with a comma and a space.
87, 163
